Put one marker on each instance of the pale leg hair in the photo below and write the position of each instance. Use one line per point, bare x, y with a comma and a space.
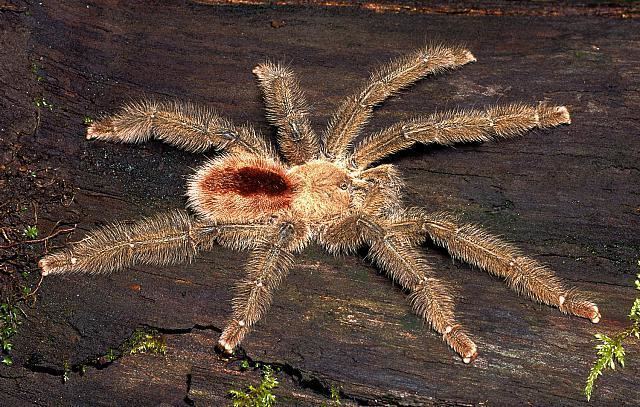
448, 128
268, 265
168, 238
184, 125
524, 275
392, 249
356, 109
287, 109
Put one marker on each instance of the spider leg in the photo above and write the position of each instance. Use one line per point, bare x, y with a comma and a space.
447, 128
429, 296
355, 110
167, 238
268, 265
395, 252
287, 110
525, 275
187, 126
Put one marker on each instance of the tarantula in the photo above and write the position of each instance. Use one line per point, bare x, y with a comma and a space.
325, 191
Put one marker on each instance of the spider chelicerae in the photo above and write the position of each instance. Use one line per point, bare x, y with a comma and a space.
322, 189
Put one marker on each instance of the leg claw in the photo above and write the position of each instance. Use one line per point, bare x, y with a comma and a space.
596, 317
225, 347
469, 359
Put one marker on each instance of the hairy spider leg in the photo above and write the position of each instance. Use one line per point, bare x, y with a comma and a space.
287, 110
448, 128
429, 296
524, 275
392, 248
185, 125
168, 238
268, 265
387, 80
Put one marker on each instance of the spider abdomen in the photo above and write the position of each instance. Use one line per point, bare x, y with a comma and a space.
248, 181
240, 187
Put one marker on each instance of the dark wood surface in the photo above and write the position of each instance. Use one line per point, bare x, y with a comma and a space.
568, 196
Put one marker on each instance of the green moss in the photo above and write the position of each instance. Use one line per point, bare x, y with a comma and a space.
244, 365
610, 349
335, 395
31, 232
35, 69
260, 396
142, 341
9, 323
111, 355
66, 372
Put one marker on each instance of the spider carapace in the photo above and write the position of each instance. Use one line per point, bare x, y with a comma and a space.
319, 189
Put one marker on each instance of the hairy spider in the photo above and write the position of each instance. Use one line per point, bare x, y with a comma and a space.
325, 192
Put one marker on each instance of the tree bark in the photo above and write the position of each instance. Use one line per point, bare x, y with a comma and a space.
567, 196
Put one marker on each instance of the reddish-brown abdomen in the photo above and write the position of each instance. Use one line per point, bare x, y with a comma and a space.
248, 181
240, 188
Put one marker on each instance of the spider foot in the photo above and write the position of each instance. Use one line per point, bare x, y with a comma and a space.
550, 116
224, 347
579, 307
467, 57
232, 336
57, 263
100, 129
460, 342
45, 266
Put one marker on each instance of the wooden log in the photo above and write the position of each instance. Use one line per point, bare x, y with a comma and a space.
567, 196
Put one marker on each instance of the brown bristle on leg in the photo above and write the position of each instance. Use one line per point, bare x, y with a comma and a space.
100, 129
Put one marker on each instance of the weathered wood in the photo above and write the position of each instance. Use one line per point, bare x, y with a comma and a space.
568, 196
615, 8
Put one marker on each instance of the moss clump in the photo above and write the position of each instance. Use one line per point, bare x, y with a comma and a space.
31, 232
142, 341
260, 396
8, 327
42, 102
610, 349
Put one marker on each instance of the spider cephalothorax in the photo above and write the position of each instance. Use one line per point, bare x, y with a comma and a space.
324, 191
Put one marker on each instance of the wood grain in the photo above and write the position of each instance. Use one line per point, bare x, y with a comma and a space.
567, 196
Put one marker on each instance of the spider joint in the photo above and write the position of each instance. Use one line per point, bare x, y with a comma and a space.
372, 226
230, 135
296, 134
286, 230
